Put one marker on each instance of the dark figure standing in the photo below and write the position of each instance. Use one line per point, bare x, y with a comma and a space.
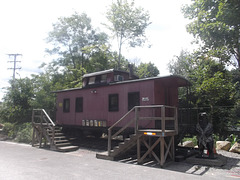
204, 136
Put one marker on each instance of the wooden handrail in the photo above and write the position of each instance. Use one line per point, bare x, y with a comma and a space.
53, 124
116, 123
163, 118
50, 124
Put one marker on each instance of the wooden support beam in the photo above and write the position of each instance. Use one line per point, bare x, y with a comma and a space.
151, 152
168, 148
162, 151
140, 159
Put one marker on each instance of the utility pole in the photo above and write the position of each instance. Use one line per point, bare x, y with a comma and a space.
15, 63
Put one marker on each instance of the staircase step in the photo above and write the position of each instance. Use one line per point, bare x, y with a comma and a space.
60, 137
132, 136
104, 155
63, 144
61, 141
124, 146
56, 134
56, 130
127, 140
67, 148
116, 148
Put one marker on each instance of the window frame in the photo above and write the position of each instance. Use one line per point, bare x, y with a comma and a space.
113, 107
65, 102
134, 103
79, 104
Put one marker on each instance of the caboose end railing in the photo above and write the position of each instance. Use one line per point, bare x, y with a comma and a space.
162, 115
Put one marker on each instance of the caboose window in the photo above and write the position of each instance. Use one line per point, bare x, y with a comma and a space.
103, 78
98, 79
92, 80
133, 99
79, 104
66, 105
113, 102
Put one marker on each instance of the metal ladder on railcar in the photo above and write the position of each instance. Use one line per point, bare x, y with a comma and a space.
46, 133
148, 137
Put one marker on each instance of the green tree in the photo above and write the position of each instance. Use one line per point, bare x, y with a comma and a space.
212, 87
183, 64
72, 38
145, 70
217, 24
127, 23
17, 102
43, 85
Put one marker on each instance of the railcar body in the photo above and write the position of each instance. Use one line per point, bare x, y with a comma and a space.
108, 95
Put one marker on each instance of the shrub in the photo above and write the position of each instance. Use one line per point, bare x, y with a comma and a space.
233, 139
18, 132
24, 133
9, 129
193, 139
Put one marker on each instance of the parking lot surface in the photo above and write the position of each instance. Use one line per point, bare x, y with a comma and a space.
24, 162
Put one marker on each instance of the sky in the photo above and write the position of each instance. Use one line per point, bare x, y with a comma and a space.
25, 25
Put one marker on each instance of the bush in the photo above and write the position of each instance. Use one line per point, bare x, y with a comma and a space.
193, 139
24, 133
233, 139
19, 132
9, 129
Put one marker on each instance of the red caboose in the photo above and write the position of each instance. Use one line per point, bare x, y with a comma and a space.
108, 95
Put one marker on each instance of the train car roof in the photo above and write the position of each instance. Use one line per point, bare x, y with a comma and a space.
98, 73
176, 80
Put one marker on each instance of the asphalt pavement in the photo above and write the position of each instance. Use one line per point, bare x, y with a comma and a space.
24, 162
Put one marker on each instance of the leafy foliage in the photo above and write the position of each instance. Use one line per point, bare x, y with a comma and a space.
183, 64
233, 139
127, 23
75, 43
17, 102
216, 23
18, 132
213, 88
145, 70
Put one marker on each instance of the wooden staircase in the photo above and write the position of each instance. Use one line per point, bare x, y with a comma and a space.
47, 134
124, 146
149, 138
121, 149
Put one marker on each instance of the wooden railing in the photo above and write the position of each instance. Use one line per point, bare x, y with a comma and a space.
40, 119
138, 110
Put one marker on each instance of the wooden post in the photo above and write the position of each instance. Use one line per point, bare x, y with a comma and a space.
33, 136
138, 148
162, 151
173, 149
136, 119
150, 144
176, 120
41, 130
53, 135
163, 120
109, 141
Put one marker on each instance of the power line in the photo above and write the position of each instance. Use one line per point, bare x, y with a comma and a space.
14, 63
